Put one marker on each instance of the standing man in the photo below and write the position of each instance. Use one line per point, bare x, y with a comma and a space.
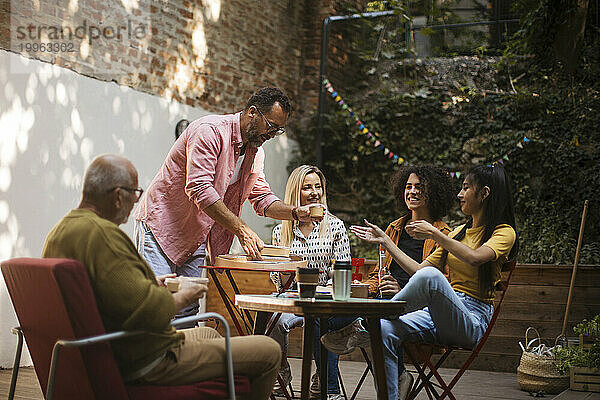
130, 297
192, 207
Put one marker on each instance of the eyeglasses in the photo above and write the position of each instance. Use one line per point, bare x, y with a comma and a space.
137, 191
273, 130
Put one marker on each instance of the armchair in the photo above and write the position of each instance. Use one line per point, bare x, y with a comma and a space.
59, 318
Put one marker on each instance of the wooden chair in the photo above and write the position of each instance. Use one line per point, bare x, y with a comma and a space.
419, 354
59, 318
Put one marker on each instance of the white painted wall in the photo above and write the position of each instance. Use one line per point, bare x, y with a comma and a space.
53, 122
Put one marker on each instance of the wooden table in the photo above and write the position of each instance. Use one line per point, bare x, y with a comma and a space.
311, 309
228, 263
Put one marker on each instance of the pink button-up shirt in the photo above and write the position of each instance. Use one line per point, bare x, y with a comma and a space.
196, 173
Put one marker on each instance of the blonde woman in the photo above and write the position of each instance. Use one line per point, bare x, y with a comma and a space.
318, 243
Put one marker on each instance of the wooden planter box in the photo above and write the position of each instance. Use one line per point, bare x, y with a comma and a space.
586, 341
585, 379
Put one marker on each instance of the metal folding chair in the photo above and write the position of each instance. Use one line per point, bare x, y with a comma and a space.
419, 354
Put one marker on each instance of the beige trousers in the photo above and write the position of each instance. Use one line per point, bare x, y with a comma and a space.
202, 357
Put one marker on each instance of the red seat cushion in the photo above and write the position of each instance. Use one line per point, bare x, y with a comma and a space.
217, 388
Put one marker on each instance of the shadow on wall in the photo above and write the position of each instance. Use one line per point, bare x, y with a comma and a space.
53, 122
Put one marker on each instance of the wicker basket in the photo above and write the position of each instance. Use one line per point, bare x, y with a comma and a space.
538, 373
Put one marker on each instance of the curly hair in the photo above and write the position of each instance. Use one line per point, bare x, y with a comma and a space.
265, 98
437, 188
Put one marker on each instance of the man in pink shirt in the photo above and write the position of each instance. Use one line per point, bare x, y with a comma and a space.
213, 167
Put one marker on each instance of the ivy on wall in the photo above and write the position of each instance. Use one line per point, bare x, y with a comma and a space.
552, 176
462, 111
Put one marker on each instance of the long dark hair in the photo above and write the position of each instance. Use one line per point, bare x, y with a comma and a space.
497, 209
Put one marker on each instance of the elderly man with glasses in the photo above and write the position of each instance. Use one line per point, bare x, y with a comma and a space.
131, 297
193, 205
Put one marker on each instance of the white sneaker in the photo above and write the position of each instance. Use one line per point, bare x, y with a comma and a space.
360, 338
405, 382
345, 340
315, 390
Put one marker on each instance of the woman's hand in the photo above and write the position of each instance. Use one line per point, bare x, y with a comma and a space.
420, 230
370, 233
389, 285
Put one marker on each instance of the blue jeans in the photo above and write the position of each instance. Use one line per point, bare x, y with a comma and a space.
156, 258
287, 322
334, 323
449, 317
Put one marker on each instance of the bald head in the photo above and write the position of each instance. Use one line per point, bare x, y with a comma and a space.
108, 185
107, 172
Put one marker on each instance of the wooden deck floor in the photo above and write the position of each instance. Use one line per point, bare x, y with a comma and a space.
480, 385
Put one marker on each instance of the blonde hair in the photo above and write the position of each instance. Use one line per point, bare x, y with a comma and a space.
292, 197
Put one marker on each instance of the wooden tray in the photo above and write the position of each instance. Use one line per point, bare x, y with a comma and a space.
267, 264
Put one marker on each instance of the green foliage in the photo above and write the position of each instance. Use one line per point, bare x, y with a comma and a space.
539, 27
577, 356
590, 328
453, 123
391, 38
458, 128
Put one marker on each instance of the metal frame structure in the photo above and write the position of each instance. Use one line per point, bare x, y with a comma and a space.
325, 51
111, 336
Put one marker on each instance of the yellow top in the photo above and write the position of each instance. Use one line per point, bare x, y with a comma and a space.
464, 277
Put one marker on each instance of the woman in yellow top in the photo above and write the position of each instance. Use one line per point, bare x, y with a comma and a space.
455, 312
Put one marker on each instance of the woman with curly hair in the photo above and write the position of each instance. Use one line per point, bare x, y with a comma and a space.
423, 193
455, 312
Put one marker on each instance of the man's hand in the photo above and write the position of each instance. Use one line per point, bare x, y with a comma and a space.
161, 279
420, 230
389, 285
303, 213
188, 294
250, 242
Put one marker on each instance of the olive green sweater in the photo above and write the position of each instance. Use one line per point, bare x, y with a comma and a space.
126, 291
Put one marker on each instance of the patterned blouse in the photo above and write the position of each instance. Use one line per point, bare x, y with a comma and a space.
318, 251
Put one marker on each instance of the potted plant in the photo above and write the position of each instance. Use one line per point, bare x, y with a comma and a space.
583, 360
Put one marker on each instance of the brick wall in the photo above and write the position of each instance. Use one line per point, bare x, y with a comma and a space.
206, 53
